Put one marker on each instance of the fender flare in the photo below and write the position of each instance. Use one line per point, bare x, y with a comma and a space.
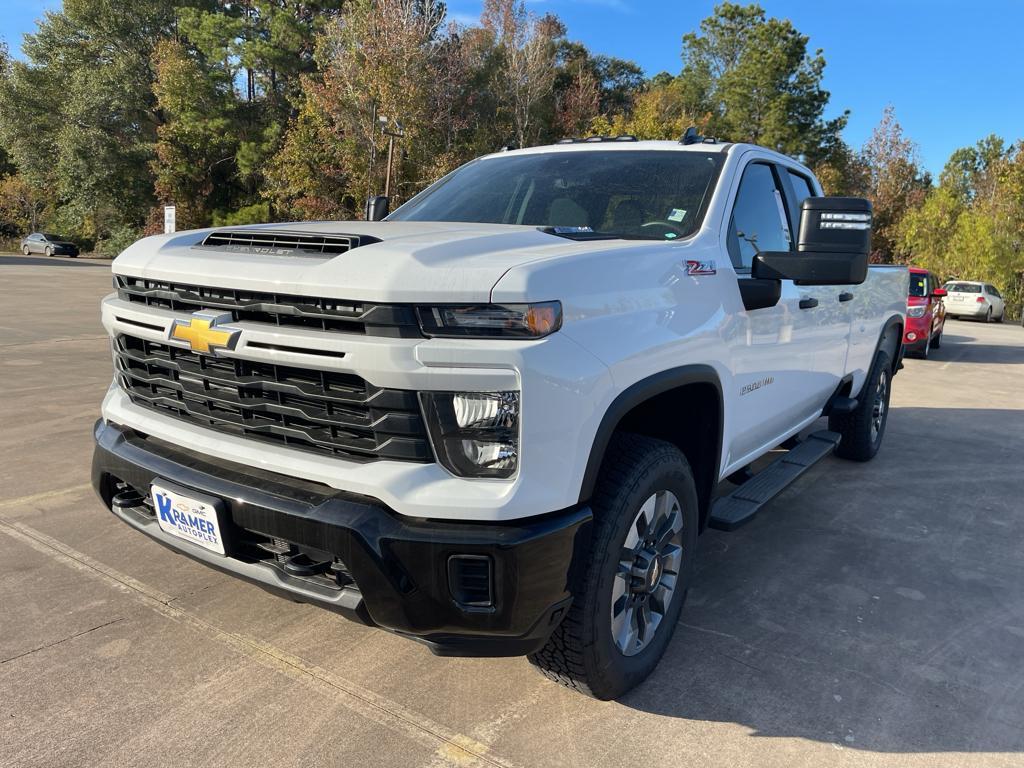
895, 325
635, 395
897, 322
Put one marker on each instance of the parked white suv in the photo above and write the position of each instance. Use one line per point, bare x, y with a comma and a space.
496, 421
980, 301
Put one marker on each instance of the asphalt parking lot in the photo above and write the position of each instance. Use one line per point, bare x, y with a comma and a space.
872, 615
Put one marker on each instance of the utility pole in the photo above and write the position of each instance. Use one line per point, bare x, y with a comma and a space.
373, 150
396, 132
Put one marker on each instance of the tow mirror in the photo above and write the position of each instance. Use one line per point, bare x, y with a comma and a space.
938, 293
376, 208
833, 248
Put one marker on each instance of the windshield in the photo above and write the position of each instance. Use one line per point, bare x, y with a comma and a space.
654, 194
917, 284
53, 237
963, 288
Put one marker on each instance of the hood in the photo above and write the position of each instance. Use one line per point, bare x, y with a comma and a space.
409, 262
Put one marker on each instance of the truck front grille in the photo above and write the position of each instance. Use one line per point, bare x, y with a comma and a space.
323, 411
275, 308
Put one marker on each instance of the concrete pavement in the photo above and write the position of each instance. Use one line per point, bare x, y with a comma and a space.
872, 615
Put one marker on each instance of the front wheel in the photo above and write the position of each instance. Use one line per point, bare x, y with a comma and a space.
26, 250
937, 341
49, 251
627, 605
863, 428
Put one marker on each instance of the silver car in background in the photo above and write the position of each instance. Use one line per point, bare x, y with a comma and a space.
980, 301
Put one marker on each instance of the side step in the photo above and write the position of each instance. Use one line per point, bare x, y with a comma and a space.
730, 512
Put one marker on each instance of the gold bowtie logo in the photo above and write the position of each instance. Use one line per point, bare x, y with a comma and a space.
204, 332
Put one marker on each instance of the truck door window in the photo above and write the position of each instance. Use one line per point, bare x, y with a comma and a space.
801, 186
758, 219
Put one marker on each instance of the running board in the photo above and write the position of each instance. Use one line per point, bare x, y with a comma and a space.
730, 512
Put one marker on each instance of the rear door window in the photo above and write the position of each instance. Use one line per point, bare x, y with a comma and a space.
758, 220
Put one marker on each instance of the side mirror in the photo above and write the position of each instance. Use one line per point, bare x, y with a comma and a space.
833, 248
938, 293
376, 208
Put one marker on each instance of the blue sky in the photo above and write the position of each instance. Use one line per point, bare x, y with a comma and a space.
953, 71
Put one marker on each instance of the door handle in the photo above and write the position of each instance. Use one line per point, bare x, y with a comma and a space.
846, 296
808, 303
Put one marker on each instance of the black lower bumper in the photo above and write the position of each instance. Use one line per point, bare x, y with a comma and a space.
367, 562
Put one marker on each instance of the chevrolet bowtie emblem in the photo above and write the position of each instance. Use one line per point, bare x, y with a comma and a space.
204, 332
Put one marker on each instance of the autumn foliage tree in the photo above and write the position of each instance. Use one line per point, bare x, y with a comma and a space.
895, 184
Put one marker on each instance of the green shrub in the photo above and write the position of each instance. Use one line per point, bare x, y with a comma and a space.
258, 213
118, 239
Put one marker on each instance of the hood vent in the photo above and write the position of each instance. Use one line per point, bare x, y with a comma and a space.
278, 243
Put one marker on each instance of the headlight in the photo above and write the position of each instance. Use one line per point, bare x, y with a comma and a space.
916, 311
474, 434
515, 321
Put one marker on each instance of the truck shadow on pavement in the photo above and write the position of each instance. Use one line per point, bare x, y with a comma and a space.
877, 607
43, 261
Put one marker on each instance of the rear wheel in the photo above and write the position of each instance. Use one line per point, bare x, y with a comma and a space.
627, 605
862, 429
988, 315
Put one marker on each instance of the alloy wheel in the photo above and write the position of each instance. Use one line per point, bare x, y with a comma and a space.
879, 406
647, 573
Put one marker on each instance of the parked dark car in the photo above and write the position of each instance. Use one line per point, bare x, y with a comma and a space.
48, 244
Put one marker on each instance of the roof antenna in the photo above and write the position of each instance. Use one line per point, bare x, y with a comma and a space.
691, 136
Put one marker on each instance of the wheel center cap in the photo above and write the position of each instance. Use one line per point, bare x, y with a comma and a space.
654, 574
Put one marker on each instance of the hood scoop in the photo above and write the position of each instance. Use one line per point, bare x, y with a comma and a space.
271, 242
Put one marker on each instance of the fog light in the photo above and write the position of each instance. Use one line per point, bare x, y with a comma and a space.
911, 336
474, 434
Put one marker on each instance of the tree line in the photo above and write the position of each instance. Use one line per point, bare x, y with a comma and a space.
240, 111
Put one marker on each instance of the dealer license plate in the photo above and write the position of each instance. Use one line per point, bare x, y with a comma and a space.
188, 516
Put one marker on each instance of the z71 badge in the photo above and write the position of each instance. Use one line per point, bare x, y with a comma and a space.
694, 267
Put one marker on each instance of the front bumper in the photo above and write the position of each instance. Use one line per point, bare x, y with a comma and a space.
386, 570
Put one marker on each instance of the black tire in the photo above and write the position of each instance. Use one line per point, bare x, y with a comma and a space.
927, 350
582, 653
988, 315
48, 251
863, 429
26, 250
937, 341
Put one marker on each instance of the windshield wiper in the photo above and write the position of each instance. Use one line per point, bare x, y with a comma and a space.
586, 233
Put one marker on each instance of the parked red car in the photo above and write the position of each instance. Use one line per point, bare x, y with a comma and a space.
926, 313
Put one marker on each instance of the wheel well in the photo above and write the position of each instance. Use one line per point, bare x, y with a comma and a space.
891, 342
689, 417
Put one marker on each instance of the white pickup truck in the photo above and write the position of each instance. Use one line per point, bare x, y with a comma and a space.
497, 421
